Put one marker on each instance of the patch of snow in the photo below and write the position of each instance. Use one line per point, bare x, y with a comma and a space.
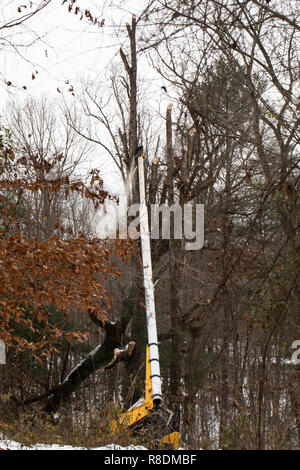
6, 444
91, 354
296, 100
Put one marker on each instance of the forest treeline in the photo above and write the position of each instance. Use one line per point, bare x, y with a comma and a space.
228, 313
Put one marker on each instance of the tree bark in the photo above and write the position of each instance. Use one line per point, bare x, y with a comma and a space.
175, 370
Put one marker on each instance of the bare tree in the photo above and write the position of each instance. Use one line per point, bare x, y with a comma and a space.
48, 149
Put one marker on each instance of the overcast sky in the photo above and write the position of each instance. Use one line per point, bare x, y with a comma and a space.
69, 50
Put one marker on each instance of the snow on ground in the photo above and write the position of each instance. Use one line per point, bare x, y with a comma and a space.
13, 445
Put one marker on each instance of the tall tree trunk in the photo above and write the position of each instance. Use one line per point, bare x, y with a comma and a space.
133, 385
175, 369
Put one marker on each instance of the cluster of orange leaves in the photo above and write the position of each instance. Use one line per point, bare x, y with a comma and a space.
67, 274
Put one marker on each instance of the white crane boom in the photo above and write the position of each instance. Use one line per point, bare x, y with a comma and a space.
149, 288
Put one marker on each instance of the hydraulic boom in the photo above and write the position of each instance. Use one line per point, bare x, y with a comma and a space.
149, 411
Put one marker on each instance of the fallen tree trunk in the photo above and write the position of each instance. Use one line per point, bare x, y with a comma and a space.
103, 357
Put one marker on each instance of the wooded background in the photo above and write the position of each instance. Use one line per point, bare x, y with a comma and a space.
227, 314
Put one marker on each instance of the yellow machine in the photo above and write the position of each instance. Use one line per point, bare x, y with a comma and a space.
149, 411
143, 409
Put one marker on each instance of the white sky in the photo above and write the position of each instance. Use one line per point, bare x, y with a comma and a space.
70, 50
